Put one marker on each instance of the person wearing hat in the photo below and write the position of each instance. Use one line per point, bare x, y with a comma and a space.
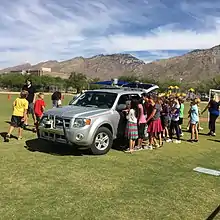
31, 99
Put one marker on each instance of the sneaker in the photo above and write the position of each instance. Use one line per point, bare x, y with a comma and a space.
145, 147
7, 137
19, 138
137, 148
181, 135
195, 140
177, 142
200, 128
150, 147
213, 134
168, 140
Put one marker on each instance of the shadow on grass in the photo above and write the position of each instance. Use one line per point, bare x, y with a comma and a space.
37, 145
26, 128
218, 141
200, 132
3, 135
53, 149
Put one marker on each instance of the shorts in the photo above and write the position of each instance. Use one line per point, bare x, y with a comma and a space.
141, 129
194, 122
165, 121
16, 121
180, 121
38, 118
54, 103
30, 108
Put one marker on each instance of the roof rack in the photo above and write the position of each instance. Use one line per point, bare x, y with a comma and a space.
110, 87
133, 89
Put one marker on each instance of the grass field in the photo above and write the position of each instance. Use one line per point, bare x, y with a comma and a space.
52, 182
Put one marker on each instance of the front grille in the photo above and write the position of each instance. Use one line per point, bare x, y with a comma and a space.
59, 122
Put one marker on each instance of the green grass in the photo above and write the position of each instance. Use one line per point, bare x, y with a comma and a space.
151, 185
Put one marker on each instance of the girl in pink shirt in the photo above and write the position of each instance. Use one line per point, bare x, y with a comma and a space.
141, 124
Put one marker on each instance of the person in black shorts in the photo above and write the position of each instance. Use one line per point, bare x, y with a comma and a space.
20, 106
30, 98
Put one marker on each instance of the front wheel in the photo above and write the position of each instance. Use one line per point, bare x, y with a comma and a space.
102, 142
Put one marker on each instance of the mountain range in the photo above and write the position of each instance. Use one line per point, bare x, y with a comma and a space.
195, 66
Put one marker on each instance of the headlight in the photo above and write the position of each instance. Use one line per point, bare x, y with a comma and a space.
81, 122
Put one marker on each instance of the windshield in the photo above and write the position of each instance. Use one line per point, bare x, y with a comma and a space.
95, 99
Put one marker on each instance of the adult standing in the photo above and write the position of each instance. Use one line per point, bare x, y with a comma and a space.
56, 99
30, 98
213, 107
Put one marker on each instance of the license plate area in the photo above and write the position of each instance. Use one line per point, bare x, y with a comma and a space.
53, 136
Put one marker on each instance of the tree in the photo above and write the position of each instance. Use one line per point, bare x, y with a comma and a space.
78, 81
94, 86
128, 78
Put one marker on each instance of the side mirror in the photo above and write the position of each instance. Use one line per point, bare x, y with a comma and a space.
121, 107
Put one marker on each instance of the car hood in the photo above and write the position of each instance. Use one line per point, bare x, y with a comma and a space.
76, 111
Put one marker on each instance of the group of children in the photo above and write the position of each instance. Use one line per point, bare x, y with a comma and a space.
20, 111
158, 119
151, 117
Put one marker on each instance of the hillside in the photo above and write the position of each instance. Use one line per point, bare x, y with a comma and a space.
194, 66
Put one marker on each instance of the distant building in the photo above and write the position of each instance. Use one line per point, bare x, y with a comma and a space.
38, 72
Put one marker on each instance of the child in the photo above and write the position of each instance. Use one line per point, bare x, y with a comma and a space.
39, 108
181, 101
141, 124
165, 118
175, 113
194, 120
56, 99
155, 126
19, 115
131, 128
199, 127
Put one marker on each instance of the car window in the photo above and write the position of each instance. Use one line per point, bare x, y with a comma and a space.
96, 99
123, 99
128, 97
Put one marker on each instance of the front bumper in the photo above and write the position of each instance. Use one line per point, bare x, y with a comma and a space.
73, 136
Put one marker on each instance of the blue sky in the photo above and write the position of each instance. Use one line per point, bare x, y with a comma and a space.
39, 30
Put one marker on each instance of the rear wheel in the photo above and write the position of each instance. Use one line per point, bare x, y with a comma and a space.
102, 142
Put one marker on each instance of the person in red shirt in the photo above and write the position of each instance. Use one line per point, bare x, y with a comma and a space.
39, 107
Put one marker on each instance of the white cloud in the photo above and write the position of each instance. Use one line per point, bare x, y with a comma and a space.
40, 30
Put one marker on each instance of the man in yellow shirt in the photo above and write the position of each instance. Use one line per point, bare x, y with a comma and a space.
19, 115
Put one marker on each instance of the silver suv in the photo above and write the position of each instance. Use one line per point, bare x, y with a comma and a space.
91, 120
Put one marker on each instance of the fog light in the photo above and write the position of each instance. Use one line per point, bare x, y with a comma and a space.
79, 137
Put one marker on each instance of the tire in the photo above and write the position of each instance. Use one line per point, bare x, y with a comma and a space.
102, 142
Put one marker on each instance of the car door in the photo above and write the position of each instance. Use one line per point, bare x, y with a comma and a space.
120, 120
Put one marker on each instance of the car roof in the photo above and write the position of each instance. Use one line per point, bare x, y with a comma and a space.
117, 91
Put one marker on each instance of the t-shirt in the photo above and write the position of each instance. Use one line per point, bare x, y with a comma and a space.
20, 105
194, 113
214, 107
142, 118
31, 92
165, 110
181, 110
149, 108
38, 107
175, 114
56, 96
131, 117
158, 110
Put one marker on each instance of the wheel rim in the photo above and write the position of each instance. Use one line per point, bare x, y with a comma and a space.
102, 141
